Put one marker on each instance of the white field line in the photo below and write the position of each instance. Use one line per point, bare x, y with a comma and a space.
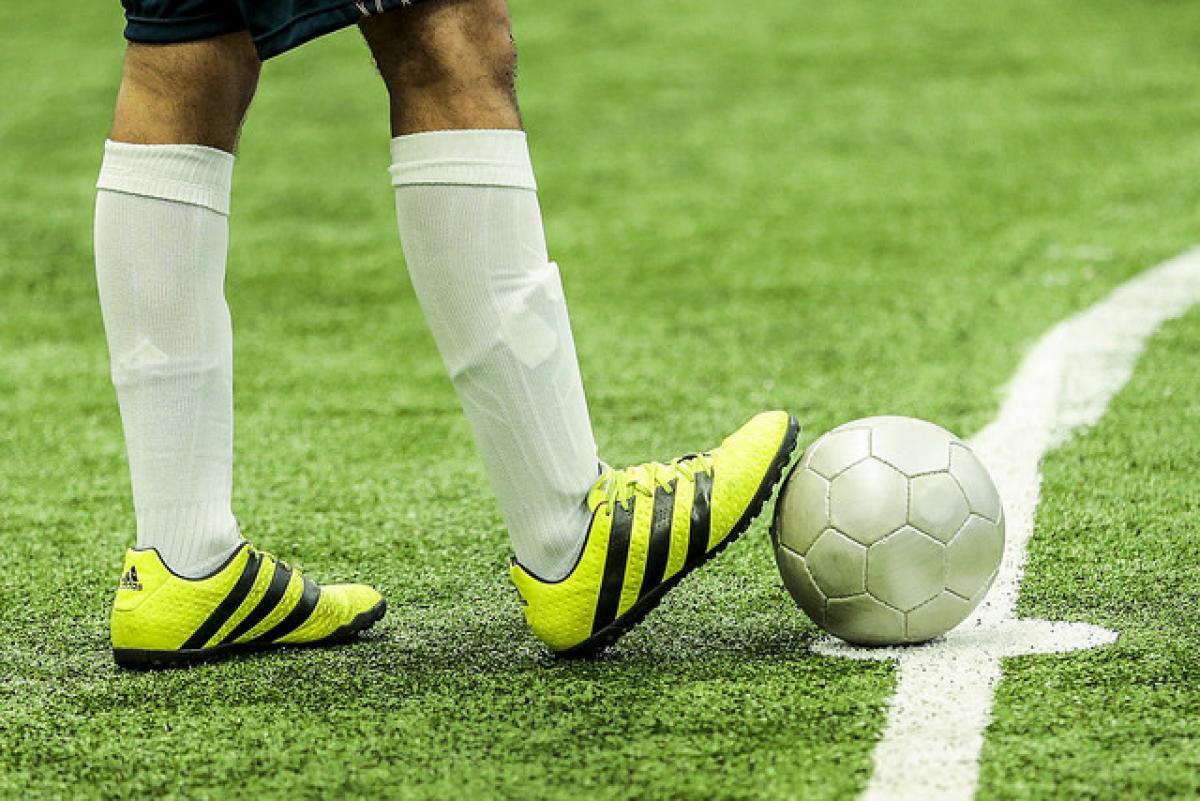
934, 732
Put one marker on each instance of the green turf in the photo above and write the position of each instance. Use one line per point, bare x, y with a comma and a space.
1118, 544
840, 208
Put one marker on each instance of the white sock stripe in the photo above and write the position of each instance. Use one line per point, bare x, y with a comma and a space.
192, 174
468, 158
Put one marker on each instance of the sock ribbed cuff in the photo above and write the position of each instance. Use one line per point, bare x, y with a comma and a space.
192, 174
468, 158
192, 539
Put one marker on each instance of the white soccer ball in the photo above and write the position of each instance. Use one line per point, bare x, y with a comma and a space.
888, 531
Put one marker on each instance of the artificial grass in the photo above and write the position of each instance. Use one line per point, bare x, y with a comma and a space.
839, 209
1117, 544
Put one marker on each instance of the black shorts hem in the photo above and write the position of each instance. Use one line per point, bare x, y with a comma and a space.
319, 22
311, 25
273, 41
146, 30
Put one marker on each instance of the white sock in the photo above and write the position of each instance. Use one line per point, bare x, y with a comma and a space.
471, 228
161, 238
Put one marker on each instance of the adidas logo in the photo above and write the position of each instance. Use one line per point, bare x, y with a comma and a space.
129, 581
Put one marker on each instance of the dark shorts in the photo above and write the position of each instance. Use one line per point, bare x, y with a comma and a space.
275, 25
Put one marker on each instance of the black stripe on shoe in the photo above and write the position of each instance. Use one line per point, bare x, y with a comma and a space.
266, 604
701, 520
615, 562
295, 618
229, 604
659, 547
703, 497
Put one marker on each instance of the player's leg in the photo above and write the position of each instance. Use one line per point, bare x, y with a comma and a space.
448, 65
594, 551
472, 233
161, 236
192, 589
189, 93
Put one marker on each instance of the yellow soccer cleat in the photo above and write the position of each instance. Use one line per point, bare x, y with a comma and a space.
652, 524
253, 601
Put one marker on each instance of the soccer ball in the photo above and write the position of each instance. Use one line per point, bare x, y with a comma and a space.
888, 531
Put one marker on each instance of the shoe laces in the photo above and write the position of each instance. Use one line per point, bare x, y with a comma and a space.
267, 555
620, 485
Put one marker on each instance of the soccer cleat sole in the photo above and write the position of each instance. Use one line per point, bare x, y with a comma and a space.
141, 659
644, 606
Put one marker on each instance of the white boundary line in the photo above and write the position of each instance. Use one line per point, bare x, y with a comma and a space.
934, 733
